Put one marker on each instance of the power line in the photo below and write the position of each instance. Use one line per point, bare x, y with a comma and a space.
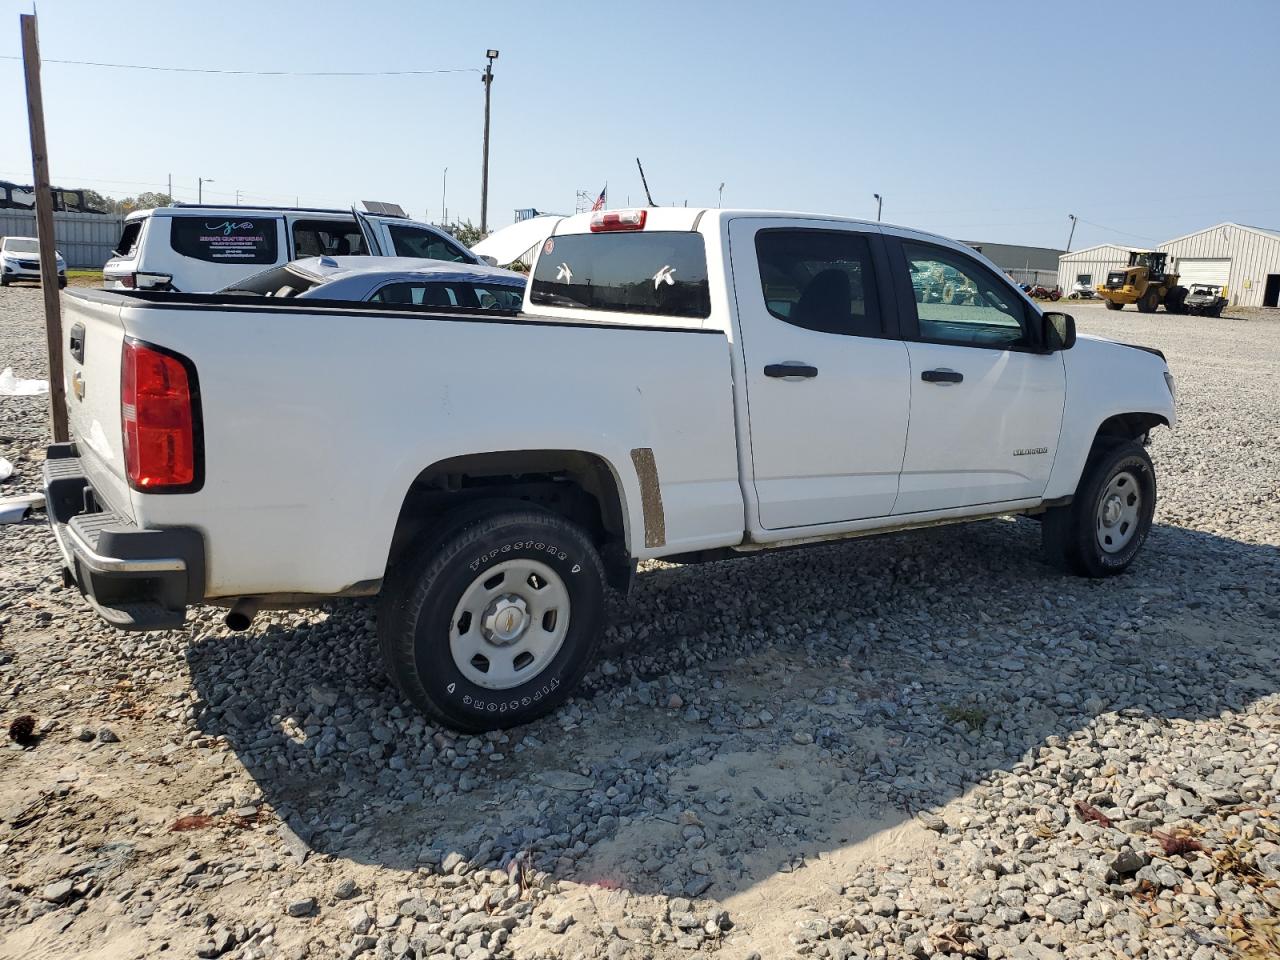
259, 73
1123, 233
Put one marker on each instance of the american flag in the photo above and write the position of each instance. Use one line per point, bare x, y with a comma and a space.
602, 199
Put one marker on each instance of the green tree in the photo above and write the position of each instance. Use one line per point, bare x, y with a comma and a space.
99, 202
467, 233
144, 201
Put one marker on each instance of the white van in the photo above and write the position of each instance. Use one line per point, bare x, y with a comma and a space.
195, 248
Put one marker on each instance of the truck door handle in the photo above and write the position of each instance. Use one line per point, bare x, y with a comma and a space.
942, 376
77, 342
790, 369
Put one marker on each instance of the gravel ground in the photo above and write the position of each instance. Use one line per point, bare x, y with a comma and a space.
923, 745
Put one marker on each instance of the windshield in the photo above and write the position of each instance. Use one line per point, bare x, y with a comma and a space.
276, 282
20, 245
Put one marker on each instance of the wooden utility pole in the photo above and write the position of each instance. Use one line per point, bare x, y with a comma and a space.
487, 77
44, 228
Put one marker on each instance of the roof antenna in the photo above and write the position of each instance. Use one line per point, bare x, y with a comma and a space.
647, 195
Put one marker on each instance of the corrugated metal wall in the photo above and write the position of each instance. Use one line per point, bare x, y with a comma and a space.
1092, 260
1254, 255
1043, 277
84, 239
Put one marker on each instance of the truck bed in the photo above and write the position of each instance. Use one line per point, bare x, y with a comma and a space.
317, 416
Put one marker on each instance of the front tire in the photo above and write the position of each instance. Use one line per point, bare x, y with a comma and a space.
1100, 532
493, 621
1112, 305
1149, 302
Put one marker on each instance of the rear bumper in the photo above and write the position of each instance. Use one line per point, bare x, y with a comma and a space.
135, 579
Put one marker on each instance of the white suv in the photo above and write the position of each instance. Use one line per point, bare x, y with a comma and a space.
20, 260
200, 249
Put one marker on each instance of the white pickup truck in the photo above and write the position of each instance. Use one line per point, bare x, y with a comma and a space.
685, 384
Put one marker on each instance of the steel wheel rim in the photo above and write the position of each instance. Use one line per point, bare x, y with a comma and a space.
1119, 512
509, 624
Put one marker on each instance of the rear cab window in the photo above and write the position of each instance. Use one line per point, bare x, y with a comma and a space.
651, 272
226, 239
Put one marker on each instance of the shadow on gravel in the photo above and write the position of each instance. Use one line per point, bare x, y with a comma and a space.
755, 712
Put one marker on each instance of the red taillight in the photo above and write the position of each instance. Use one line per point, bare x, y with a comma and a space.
129, 281
158, 416
603, 221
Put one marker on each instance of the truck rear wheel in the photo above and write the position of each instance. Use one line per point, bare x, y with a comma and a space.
492, 620
1112, 305
1100, 532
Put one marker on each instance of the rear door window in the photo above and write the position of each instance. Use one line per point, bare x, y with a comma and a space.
658, 272
128, 242
217, 239
327, 238
820, 280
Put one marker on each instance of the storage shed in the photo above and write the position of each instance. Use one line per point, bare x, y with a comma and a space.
1246, 260
1093, 263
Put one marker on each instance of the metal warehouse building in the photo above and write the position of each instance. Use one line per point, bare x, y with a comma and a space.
1090, 265
1246, 260
1024, 264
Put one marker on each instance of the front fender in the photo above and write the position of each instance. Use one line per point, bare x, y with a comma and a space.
1105, 380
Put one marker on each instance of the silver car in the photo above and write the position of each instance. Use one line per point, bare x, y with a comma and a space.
390, 280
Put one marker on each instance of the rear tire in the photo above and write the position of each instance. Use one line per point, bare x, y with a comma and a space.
1100, 532
482, 600
1112, 305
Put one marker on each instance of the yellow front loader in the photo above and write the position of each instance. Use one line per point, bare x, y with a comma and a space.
1145, 283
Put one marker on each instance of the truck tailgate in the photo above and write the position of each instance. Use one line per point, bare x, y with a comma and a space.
92, 337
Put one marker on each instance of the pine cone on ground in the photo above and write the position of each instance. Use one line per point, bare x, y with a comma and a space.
22, 728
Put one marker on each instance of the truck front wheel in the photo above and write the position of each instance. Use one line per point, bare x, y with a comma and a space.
1112, 305
1100, 532
493, 620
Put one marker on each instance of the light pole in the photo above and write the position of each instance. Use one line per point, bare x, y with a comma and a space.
444, 189
879, 205
237, 198
1070, 236
720, 200
200, 182
487, 78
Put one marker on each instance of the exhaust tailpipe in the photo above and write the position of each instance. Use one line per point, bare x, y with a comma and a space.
241, 614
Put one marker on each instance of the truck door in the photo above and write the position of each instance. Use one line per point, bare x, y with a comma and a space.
826, 377
986, 403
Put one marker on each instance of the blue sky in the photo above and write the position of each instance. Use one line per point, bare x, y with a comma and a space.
979, 120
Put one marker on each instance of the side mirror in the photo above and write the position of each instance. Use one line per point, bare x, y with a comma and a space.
491, 261
1057, 331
